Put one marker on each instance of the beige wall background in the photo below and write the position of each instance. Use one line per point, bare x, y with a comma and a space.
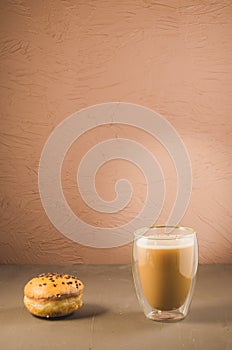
57, 57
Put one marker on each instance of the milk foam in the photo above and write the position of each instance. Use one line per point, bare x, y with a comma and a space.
149, 243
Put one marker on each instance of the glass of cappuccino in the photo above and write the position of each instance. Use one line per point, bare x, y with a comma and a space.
165, 260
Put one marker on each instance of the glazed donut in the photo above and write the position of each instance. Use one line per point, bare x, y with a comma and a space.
53, 295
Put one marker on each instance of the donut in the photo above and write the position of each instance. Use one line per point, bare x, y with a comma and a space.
53, 295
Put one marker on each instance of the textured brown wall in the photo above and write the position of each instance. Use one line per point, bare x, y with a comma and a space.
60, 56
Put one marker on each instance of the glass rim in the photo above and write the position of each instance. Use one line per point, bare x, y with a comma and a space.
162, 236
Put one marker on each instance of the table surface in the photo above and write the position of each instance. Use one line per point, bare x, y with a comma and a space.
111, 317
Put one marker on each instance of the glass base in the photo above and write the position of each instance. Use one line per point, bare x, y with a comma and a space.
166, 316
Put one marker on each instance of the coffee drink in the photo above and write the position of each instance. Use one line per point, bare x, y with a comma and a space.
165, 270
